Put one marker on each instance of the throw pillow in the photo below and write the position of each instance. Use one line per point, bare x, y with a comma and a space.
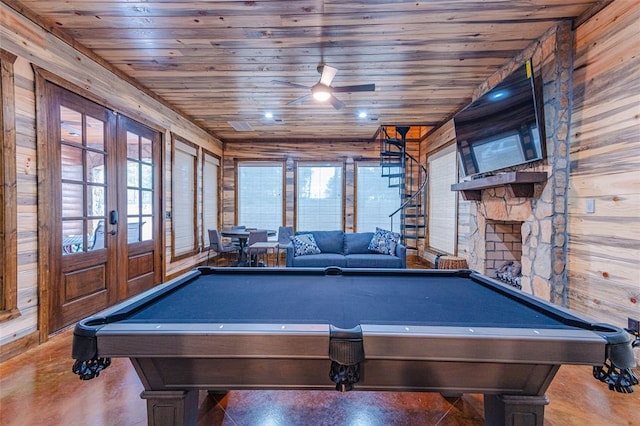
384, 242
304, 244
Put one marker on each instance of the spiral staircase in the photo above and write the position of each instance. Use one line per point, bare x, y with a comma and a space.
410, 177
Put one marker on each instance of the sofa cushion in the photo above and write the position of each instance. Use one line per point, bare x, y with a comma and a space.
329, 241
304, 244
384, 241
372, 261
321, 260
357, 243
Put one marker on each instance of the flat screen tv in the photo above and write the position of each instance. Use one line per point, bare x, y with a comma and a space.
504, 127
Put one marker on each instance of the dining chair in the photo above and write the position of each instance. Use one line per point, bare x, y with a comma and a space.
216, 245
253, 254
284, 240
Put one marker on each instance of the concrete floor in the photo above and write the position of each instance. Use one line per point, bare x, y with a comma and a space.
38, 388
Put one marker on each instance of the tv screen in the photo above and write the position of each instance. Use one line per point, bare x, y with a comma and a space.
503, 128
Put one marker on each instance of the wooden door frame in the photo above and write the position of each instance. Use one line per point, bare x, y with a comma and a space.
8, 191
45, 127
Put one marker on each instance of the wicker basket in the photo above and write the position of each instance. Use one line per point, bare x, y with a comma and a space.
452, 262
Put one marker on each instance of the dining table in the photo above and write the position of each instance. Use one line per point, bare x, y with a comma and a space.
242, 234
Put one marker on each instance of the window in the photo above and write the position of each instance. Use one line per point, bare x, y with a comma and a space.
184, 197
442, 200
210, 170
319, 197
375, 201
260, 190
8, 195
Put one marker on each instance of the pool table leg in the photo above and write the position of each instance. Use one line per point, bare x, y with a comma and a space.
179, 408
514, 410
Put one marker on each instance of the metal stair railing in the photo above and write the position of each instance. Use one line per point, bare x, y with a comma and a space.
412, 222
412, 210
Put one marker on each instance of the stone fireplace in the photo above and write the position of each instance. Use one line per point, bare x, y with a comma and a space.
536, 208
525, 229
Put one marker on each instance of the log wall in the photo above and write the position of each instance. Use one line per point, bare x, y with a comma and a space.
604, 246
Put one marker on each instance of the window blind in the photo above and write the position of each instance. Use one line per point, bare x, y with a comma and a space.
319, 197
442, 201
210, 211
375, 201
183, 196
260, 194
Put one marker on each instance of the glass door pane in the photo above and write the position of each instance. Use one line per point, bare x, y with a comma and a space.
140, 180
83, 189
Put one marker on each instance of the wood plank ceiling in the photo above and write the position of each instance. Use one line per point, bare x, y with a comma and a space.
215, 60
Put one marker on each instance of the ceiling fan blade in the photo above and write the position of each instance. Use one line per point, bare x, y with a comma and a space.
300, 99
327, 75
337, 103
288, 83
355, 88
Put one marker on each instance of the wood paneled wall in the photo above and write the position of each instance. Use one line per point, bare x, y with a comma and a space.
24, 326
34, 46
604, 246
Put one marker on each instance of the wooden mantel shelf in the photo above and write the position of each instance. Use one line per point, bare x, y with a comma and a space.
518, 184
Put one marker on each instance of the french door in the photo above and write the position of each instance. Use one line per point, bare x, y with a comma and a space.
104, 242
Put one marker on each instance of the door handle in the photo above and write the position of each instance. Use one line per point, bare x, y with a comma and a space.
113, 217
113, 232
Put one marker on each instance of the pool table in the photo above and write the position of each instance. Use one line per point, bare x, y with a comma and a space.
447, 331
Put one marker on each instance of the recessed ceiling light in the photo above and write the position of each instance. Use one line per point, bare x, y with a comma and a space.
268, 115
362, 114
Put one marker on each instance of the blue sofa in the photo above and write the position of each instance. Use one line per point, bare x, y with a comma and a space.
346, 250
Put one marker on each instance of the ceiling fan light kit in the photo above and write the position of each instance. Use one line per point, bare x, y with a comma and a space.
323, 91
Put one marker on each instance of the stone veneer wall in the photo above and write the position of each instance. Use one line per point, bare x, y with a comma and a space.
544, 231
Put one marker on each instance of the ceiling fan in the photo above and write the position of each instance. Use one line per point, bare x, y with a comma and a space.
323, 91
